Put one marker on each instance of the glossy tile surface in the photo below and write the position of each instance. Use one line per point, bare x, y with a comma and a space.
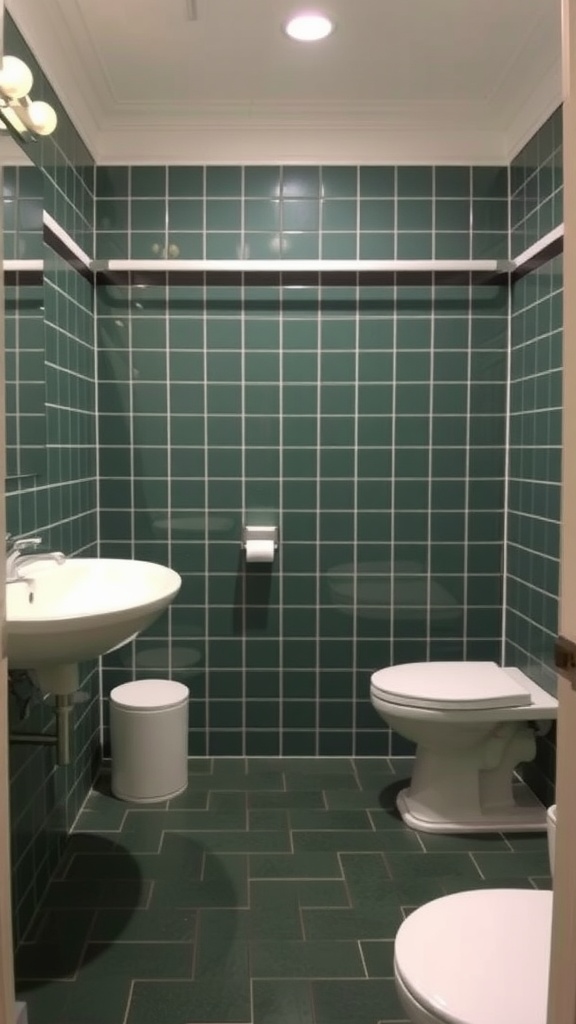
269, 892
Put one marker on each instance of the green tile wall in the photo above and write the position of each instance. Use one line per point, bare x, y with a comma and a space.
368, 423
59, 504
536, 186
533, 545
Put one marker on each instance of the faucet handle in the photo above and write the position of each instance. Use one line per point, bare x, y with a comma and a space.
25, 543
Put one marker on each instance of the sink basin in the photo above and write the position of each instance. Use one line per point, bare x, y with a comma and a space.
58, 615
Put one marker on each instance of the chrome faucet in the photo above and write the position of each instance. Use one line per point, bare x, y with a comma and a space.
17, 556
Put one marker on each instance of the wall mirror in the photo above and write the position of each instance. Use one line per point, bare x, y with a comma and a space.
25, 191
25, 396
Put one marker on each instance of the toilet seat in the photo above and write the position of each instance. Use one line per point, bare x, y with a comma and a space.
479, 957
449, 685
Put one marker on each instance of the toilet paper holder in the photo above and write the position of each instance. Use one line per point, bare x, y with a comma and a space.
259, 533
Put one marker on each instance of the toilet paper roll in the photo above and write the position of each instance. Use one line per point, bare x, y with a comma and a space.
259, 550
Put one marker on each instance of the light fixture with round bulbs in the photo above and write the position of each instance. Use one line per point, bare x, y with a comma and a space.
41, 118
309, 26
15, 78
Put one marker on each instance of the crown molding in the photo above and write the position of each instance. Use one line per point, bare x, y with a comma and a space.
301, 144
536, 109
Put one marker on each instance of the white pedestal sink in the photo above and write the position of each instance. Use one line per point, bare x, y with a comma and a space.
59, 615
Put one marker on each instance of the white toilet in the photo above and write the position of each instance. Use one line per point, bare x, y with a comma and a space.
471, 722
478, 957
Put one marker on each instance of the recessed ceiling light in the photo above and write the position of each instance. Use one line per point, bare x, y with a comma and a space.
309, 27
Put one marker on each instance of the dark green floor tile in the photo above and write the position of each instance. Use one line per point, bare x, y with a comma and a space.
47, 960
544, 882
224, 802
138, 837
268, 923
417, 890
222, 888
447, 866
182, 819
327, 780
402, 766
303, 818
86, 1001
386, 818
137, 960
191, 799
310, 766
305, 960
159, 924
101, 821
521, 865
199, 766
287, 801
195, 894
295, 865
398, 839
218, 931
232, 782
349, 799
222, 946
262, 819
476, 842
364, 1002
380, 922
388, 784
232, 866
80, 892
190, 1002
139, 865
229, 767
282, 1002
450, 885
281, 895
322, 894
379, 957
110, 808
358, 841
66, 931
329, 893
372, 766
520, 841
243, 842
367, 879
222, 927
180, 856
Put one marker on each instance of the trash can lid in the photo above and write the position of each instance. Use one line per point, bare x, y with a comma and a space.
149, 694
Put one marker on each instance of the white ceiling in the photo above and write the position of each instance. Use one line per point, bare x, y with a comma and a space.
451, 81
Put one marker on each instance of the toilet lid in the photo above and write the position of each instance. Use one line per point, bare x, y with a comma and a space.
479, 956
450, 684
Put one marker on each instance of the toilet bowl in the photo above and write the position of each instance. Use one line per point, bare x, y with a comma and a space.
473, 723
479, 957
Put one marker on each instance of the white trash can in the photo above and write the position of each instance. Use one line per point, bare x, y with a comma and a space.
149, 740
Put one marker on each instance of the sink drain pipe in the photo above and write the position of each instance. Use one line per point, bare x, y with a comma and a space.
60, 738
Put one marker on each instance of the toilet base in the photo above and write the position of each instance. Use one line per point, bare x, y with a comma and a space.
524, 813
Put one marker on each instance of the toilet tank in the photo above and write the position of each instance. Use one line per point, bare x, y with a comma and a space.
551, 828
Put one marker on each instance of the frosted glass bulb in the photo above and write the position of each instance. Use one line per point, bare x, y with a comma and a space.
15, 78
41, 117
